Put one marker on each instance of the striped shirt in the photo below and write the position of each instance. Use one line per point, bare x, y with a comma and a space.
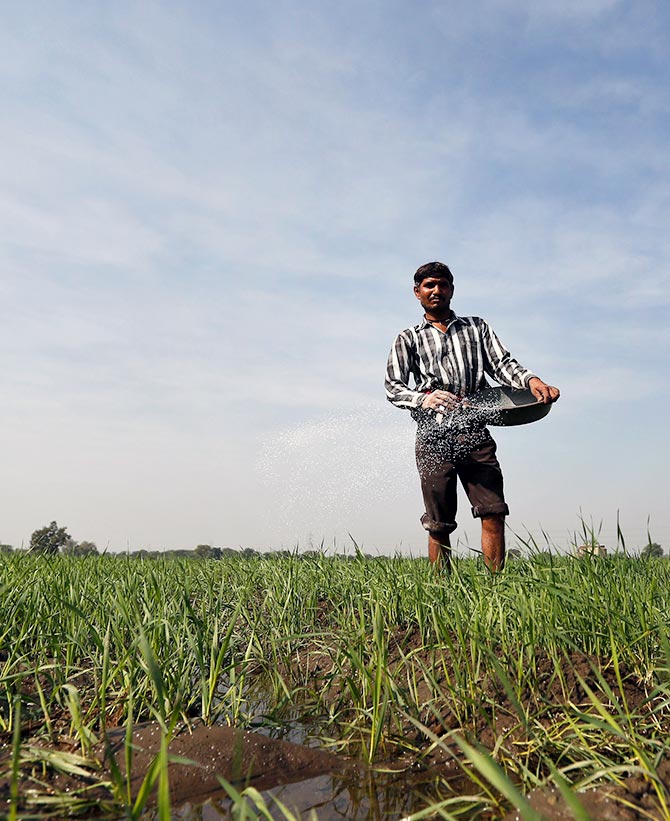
456, 360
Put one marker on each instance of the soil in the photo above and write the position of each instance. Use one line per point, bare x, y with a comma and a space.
633, 799
240, 757
247, 758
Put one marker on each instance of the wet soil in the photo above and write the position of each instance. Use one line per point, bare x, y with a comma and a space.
303, 778
206, 754
417, 755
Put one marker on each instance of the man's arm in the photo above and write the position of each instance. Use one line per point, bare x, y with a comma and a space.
398, 372
398, 391
499, 363
502, 366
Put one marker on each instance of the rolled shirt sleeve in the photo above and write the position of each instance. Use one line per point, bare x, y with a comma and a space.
398, 372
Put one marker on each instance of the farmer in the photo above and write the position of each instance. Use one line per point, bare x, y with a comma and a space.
447, 357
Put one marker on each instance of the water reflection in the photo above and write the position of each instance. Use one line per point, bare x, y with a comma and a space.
356, 795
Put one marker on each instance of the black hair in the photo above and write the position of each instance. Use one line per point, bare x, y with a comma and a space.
433, 269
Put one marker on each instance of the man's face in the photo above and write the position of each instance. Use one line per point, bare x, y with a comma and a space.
434, 294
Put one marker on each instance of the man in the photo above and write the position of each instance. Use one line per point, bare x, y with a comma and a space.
447, 357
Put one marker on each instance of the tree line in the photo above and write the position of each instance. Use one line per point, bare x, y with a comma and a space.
53, 539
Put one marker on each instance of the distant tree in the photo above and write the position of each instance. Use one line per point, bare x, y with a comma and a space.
72, 548
48, 540
652, 551
6, 548
68, 548
87, 549
514, 553
206, 551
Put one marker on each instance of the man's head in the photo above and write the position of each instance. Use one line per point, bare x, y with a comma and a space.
434, 287
434, 270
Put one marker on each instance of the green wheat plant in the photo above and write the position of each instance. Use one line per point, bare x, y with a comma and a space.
555, 672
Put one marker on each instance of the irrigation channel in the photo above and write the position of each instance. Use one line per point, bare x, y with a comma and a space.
325, 687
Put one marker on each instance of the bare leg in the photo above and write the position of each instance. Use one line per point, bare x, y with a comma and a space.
439, 552
493, 541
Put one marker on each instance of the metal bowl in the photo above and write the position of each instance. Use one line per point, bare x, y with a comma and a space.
507, 406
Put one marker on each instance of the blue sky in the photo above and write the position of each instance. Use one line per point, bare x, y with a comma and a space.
211, 214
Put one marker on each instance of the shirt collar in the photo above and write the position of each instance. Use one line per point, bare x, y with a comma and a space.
426, 324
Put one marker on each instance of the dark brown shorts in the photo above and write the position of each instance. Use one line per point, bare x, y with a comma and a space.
479, 473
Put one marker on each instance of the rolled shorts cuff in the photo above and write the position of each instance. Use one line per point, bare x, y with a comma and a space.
496, 509
437, 528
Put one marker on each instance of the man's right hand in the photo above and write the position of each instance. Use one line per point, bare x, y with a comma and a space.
440, 401
542, 392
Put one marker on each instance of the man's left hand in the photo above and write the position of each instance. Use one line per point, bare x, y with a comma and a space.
542, 392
